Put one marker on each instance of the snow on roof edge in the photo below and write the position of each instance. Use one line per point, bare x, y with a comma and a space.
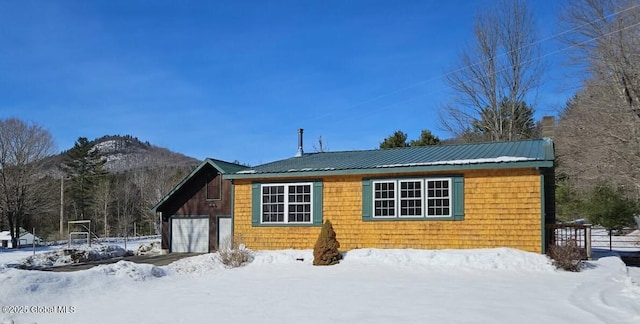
500, 159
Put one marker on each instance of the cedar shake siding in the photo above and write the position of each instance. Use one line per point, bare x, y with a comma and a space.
501, 209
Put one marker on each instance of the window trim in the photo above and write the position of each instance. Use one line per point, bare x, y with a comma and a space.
422, 197
426, 199
395, 198
316, 204
456, 199
286, 202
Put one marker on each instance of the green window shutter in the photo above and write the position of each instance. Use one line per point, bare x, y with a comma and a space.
255, 204
458, 197
366, 200
317, 203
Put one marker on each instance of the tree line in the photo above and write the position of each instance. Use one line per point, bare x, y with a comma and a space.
598, 147
81, 190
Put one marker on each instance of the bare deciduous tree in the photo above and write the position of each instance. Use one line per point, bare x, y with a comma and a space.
495, 75
154, 184
103, 200
321, 147
126, 205
604, 38
596, 140
599, 131
23, 146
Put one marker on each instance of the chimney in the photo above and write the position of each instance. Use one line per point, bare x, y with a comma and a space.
548, 126
300, 150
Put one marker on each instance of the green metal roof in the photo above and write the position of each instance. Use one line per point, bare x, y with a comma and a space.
525, 153
222, 166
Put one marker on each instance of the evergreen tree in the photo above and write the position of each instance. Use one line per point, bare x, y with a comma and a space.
398, 139
426, 139
509, 121
325, 252
610, 208
84, 168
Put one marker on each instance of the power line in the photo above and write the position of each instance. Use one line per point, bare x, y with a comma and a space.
442, 76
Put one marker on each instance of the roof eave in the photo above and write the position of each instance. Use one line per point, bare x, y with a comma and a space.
386, 170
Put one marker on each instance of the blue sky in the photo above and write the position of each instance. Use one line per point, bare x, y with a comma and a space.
234, 80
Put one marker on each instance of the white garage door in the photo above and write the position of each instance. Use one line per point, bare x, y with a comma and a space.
190, 235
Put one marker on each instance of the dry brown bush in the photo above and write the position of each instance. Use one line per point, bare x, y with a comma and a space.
567, 256
235, 254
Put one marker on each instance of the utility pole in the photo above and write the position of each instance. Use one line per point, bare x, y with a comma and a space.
62, 207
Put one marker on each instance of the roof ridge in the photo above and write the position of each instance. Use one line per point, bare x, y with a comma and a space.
429, 146
223, 161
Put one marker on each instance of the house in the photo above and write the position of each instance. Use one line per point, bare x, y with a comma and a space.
196, 214
24, 239
436, 197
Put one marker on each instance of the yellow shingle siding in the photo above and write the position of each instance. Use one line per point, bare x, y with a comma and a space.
502, 209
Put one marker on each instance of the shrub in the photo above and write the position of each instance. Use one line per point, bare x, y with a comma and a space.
567, 256
234, 258
325, 252
235, 255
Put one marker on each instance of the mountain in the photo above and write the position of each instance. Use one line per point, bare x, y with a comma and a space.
126, 153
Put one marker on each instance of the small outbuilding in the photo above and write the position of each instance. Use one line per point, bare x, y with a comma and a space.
196, 214
465, 196
24, 239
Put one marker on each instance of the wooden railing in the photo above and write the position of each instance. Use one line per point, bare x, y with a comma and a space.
563, 234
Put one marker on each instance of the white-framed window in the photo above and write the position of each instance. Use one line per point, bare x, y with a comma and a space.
412, 198
384, 202
439, 197
286, 203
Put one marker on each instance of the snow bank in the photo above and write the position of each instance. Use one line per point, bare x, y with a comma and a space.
199, 264
154, 247
476, 259
283, 257
135, 271
76, 255
16, 282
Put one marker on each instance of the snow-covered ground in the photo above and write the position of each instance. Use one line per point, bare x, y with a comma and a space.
368, 286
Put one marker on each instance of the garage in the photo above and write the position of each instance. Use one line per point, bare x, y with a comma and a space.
190, 234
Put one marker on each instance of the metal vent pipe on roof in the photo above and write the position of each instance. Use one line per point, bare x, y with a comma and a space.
300, 150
